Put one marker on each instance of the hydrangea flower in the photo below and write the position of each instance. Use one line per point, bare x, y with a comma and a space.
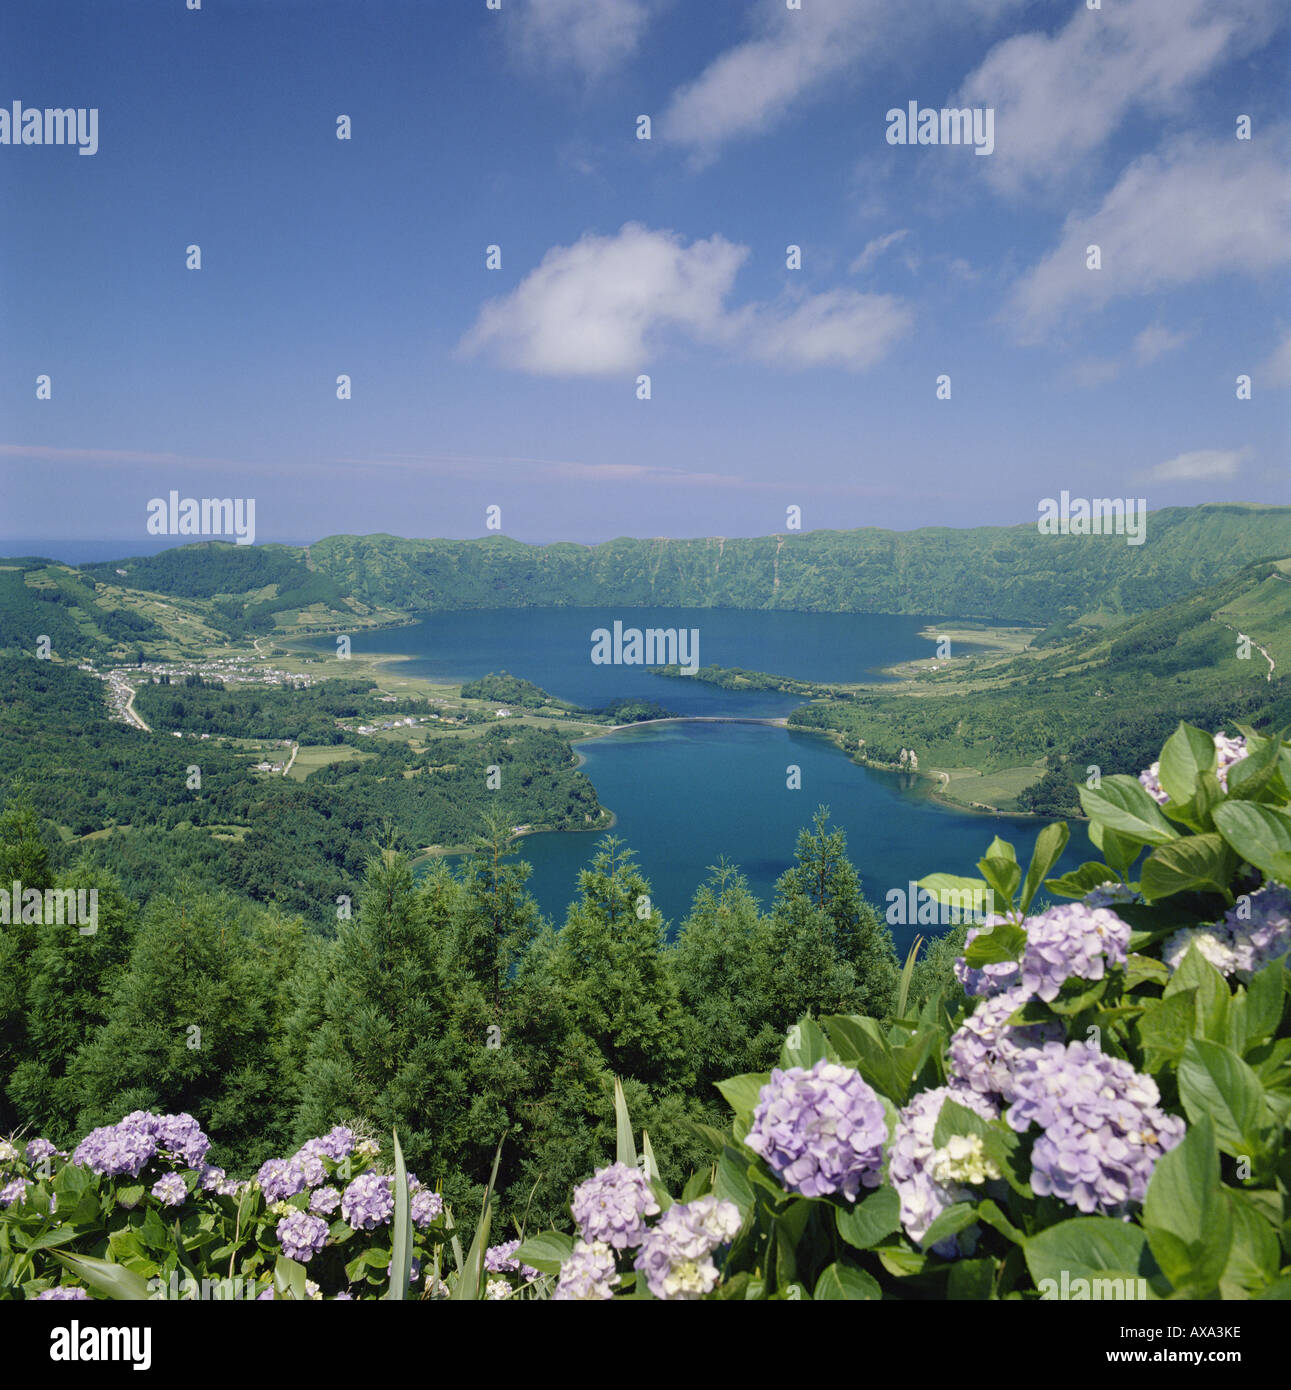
497, 1289
425, 1207
1103, 1127
1068, 941
40, 1148
990, 979
311, 1166
324, 1200
985, 1047
1230, 751
13, 1192
116, 1150
1251, 935
280, 1178
170, 1190
1109, 893
821, 1131
63, 1293
611, 1206
1214, 942
367, 1148
368, 1202
301, 1235
676, 1255
915, 1167
499, 1259
8, 1154
588, 1273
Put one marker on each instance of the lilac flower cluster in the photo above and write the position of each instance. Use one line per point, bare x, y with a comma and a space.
1103, 1127
611, 1206
1253, 934
1230, 751
1110, 893
676, 1254
280, 1178
125, 1149
985, 1048
40, 1148
913, 1163
425, 1207
324, 1200
170, 1191
216, 1180
1071, 940
499, 1259
368, 1202
63, 1293
13, 1192
301, 1236
822, 1131
588, 1274
990, 979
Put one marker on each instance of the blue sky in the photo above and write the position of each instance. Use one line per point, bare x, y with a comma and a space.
516, 387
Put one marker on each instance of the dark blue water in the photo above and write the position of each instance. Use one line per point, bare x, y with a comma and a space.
685, 794
552, 647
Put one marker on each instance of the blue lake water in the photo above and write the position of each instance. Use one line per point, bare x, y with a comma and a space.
687, 794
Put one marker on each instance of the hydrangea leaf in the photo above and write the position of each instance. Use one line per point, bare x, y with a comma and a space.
1123, 806
1188, 1220
1080, 881
545, 1252
871, 1220
1187, 753
1092, 1247
1200, 862
844, 1281
1253, 1258
1215, 1082
1258, 833
112, 1280
1049, 845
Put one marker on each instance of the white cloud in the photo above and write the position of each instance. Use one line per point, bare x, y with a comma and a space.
1094, 371
874, 249
792, 57
1059, 98
605, 305
1155, 341
591, 36
1198, 466
1192, 212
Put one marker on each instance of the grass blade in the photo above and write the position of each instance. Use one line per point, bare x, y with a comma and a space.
627, 1149
401, 1230
904, 992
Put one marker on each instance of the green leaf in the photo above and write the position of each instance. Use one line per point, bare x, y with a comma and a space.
545, 1252
741, 1092
1123, 806
1187, 753
289, 1277
907, 973
804, 1045
1215, 1082
1248, 777
966, 894
1092, 1248
871, 1220
1253, 1259
1200, 862
1212, 997
470, 1277
1262, 1006
861, 1043
992, 945
1188, 1220
844, 1281
1166, 1027
627, 1149
1049, 845
1078, 882
1003, 874
400, 1230
111, 1280
957, 1217
731, 1183
130, 1197
1261, 835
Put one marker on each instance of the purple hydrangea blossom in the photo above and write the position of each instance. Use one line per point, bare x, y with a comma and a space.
1110, 893
301, 1236
990, 979
985, 1047
116, 1151
8, 1154
13, 1192
1214, 942
336, 1144
1251, 935
821, 1131
1103, 1127
368, 1202
912, 1159
311, 1167
676, 1255
1071, 940
170, 1190
324, 1200
1230, 751
280, 1178
499, 1259
588, 1274
40, 1148
425, 1207
611, 1206
63, 1293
